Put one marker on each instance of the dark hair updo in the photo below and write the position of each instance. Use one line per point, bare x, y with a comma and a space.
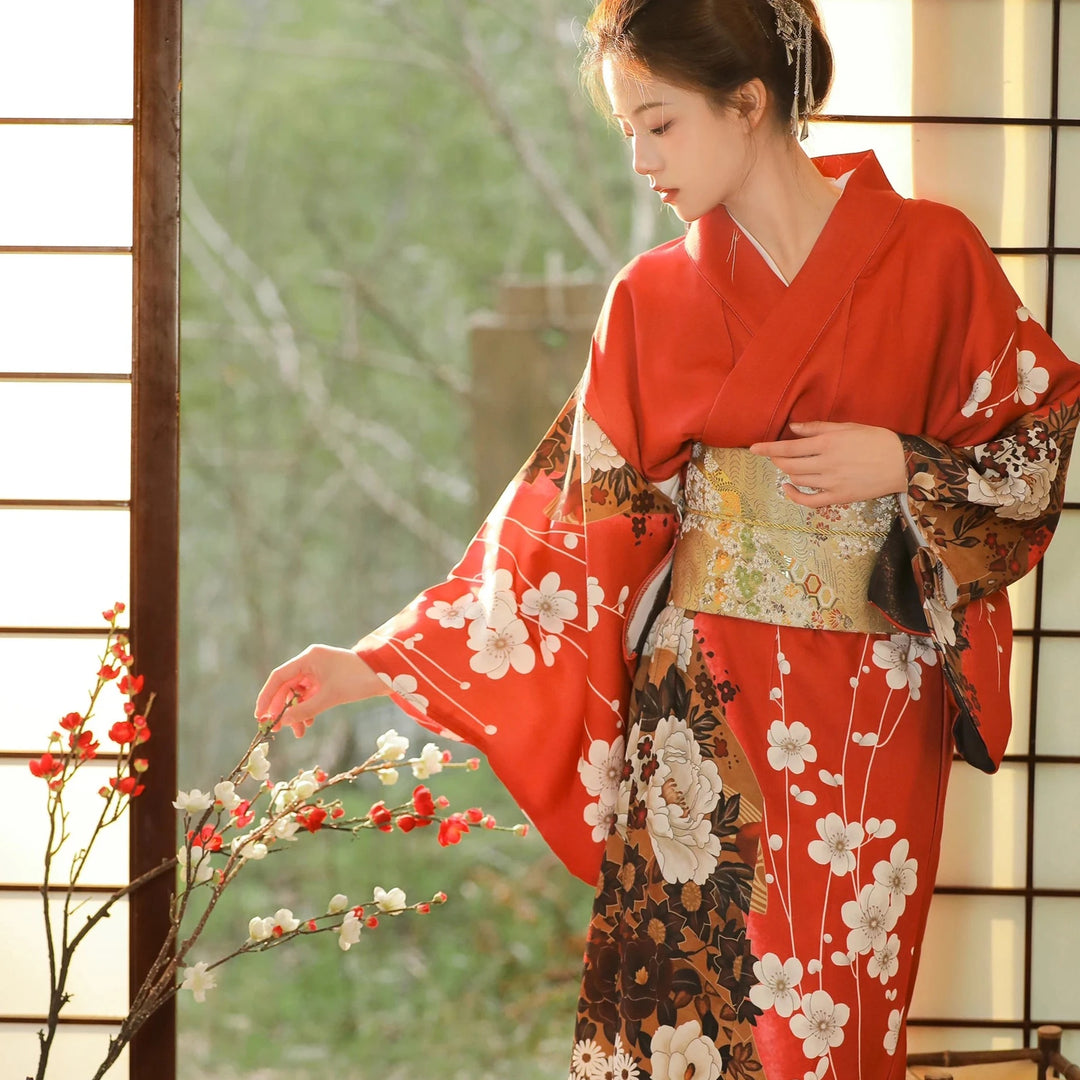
711, 46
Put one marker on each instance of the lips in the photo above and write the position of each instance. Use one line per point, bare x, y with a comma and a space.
667, 194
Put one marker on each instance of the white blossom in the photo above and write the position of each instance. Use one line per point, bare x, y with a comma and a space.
790, 747
553, 606
225, 793
837, 844
601, 773
349, 931
391, 901
430, 762
338, 903
899, 875
685, 1051
198, 980
258, 764
454, 616
885, 962
260, 929
777, 984
892, 1036
500, 648
820, 1024
390, 746
1031, 380
870, 917
898, 656
191, 802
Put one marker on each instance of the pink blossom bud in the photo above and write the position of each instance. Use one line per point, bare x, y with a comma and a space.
442, 801
372, 921
521, 830
474, 815
439, 898
311, 925
473, 763
489, 822
423, 909
447, 757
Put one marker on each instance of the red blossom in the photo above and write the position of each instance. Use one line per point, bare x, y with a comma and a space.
131, 685
119, 607
439, 897
311, 818
109, 615
442, 802
83, 744
381, 817
140, 764
489, 821
311, 925
320, 776
129, 707
447, 757
406, 823
122, 732
46, 766
474, 815
423, 909
337, 812
106, 673
127, 785
451, 830
208, 839
372, 921
71, 721
473, 763
278, 931
422, 801
243, 814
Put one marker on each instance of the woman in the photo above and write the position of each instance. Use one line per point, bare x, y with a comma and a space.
815, 440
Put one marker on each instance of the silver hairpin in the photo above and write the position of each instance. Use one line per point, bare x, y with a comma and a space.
794, 29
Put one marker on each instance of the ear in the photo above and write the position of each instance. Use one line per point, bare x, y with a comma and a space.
753, 102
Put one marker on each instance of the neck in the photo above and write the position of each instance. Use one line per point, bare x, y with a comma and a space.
784, 202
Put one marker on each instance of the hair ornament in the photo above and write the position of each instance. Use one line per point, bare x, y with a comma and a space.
796, 31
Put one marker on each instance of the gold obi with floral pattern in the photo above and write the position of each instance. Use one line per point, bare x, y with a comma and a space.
746, 551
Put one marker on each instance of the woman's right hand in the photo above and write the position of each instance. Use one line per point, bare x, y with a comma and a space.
319, 678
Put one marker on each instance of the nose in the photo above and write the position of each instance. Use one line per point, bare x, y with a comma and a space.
646, 160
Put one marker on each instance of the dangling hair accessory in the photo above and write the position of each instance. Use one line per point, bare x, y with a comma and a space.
794, 29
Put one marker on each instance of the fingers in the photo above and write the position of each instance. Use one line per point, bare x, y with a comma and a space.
814, 501
788, 448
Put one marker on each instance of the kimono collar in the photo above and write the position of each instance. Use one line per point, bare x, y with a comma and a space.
738, 273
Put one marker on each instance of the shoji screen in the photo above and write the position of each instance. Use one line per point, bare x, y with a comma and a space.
977, 103
88, 399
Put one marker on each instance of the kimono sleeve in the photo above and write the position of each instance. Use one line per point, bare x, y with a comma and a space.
986, 489
521, 651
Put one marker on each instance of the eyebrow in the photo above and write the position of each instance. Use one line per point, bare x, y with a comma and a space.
640, 109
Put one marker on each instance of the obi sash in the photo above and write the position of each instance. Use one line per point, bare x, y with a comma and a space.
747, 551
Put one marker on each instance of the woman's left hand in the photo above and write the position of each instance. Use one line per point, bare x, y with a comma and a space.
845, 463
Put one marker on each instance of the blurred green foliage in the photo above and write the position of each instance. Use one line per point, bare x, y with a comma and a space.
357, 176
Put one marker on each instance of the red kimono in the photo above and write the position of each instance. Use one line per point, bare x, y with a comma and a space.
759, 805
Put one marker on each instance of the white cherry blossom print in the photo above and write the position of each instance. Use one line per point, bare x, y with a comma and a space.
601, 817
500, 648
790, 747
684, 1051
405, 686
682, 794
454, 616
596, 449
837, 844
885, 962
900, 875
870, 917
777, 984
594, 598
892, 1036
820, 1025
674, 632
980, 391
1031, 380
552, 605
497, 599
897, 657
601, 772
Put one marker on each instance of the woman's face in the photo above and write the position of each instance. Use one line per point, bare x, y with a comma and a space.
695, 155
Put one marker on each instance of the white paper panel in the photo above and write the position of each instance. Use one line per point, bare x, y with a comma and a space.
1020, 693
1059, 692
22, 849
972, 959
984, 838
1068, 205
869, 82
891, 142
1022, 602
981, 57
1061, 594
1069, 88
62, 567
45, 678
59, 440
1070, 1045
73, 185
1055, 959
932, 1040
1057, 863
91, 292
1067, 325
63, 58
76, 1050
1027, 274
98, 981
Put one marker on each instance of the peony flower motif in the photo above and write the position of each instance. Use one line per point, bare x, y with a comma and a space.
198, 980
1016, 475
820, 1024
191, 802
602, 772
554, 607
1031, 380
391, 902
979, 393
349, 931
683, 791
594, 598
260, 929
674, 632
405, 686
776, 984
430, 762
225, 793
596, 449
897, 657
837, 844
601, 817
338, 903
585, 1059
899, 875
500, 648
454, 616
390, 746
884, 964
892, 1036
790, 747
870, 917
685, 1051
258, 764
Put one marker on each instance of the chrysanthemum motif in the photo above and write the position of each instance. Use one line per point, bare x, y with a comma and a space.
584, 1059
777, 984
820, 1025
870, 917
837, 844
790, 747
900, 875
